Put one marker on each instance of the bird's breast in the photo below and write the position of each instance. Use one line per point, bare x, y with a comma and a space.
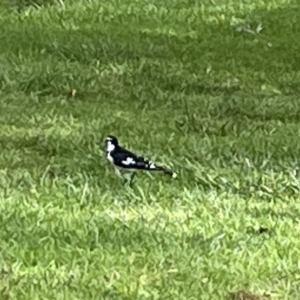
109, 157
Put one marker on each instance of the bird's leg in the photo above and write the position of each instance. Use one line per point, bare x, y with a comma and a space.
132, 178
123, 175
128, 178
118, 172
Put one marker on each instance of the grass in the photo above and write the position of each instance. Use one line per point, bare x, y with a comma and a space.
190, 84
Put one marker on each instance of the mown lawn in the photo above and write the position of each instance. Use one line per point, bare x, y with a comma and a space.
210, 88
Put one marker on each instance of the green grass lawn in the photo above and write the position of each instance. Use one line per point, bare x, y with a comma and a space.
195, 85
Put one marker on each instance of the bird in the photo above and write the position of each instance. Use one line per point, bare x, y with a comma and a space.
126, 163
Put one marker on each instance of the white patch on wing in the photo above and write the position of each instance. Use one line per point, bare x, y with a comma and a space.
151, 165
129, 161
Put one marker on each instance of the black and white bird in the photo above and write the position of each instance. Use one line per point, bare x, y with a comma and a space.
127, 163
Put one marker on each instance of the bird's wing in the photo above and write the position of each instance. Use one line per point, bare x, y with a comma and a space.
148, 165
129, 160
125, 159
145, 164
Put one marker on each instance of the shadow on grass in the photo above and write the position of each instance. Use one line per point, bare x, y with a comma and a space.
232, 55
226, 49
19, 5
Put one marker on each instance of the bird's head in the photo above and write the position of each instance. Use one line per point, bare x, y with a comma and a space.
111, 142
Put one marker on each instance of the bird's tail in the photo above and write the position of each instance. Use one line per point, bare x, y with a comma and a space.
169, 172
166, 171
148, 165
